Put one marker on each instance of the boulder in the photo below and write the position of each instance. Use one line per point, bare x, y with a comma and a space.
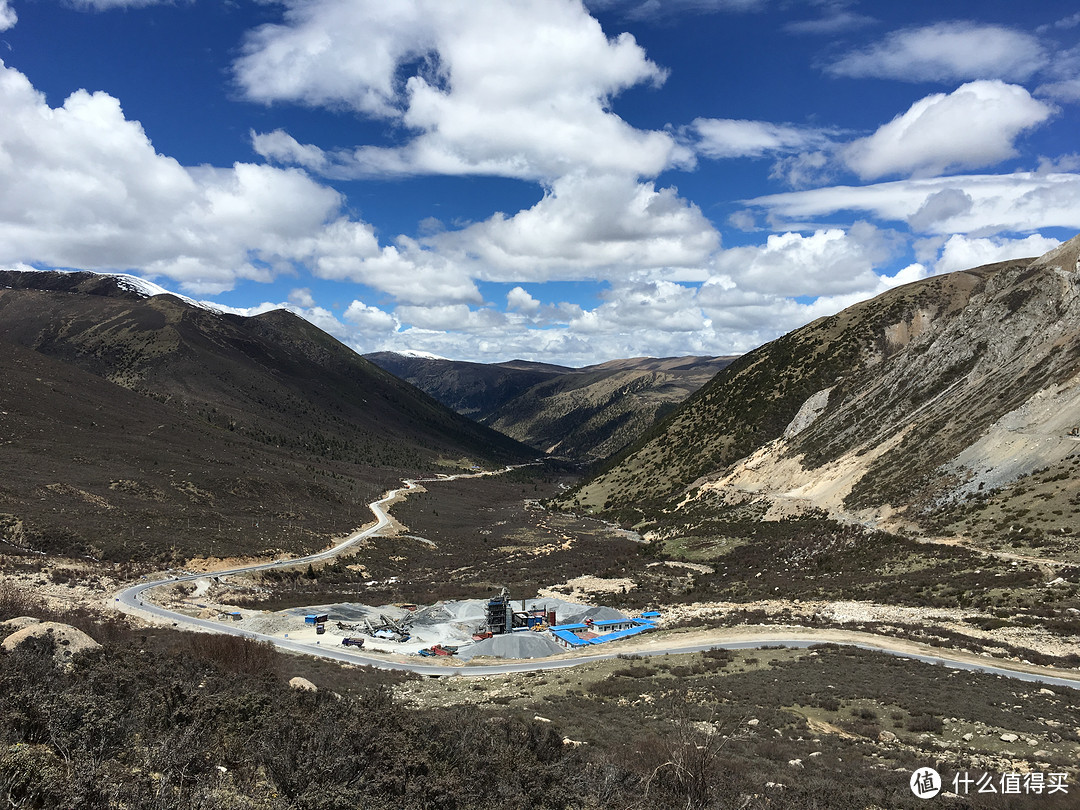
303, 684
67, 640
18, 623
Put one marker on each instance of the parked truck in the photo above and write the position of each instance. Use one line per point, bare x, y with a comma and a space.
352, 641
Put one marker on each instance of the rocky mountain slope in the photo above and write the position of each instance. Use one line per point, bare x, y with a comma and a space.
928, 406
585, 414
203, 431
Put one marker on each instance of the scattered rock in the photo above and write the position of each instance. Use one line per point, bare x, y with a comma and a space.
1009, 738
1042, 754
1031, 741
573, 743
752, 722
795, 763
68, 641
886, 736
1047, 692
816, 754
540, 719
303, 684
968, 737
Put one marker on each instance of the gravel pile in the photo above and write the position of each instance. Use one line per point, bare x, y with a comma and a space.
513, 645
597, 614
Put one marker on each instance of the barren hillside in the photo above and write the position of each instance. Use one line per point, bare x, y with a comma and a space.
909, 409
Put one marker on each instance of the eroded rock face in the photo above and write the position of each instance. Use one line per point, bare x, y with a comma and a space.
68, 640
809, 412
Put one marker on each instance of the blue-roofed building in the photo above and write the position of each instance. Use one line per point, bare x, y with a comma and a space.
611, 625
621, 634
570, 635
568, 639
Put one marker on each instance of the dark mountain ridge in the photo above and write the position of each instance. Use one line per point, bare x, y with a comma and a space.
265, 416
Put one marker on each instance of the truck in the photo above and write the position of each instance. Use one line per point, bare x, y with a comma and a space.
351, 641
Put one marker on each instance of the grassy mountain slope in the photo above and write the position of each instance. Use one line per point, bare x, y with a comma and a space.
912, 402
246, 433
475, 390
586, 414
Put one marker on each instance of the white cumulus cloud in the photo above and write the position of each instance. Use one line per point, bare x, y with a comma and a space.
948, 51
974, 126
519, 299
517, 89
451, 317
657, 306
369, 320
8, 18
827, 262
587, 226
963, 253
82, 186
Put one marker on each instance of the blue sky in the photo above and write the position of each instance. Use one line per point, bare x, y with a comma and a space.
546, 179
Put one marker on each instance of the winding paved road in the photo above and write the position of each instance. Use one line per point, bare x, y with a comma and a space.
132, 601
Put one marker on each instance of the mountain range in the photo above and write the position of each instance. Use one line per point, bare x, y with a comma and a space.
584, 414
949, 405
141, 426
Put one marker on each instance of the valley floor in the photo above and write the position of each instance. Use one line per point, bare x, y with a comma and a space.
793, 718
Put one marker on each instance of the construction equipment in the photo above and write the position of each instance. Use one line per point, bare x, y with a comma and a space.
500, 616
388, 628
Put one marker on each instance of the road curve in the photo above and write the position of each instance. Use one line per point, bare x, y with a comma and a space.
132, 601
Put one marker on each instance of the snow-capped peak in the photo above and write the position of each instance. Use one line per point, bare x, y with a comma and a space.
418, 354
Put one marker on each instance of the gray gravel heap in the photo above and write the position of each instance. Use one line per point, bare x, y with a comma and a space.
514, 645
